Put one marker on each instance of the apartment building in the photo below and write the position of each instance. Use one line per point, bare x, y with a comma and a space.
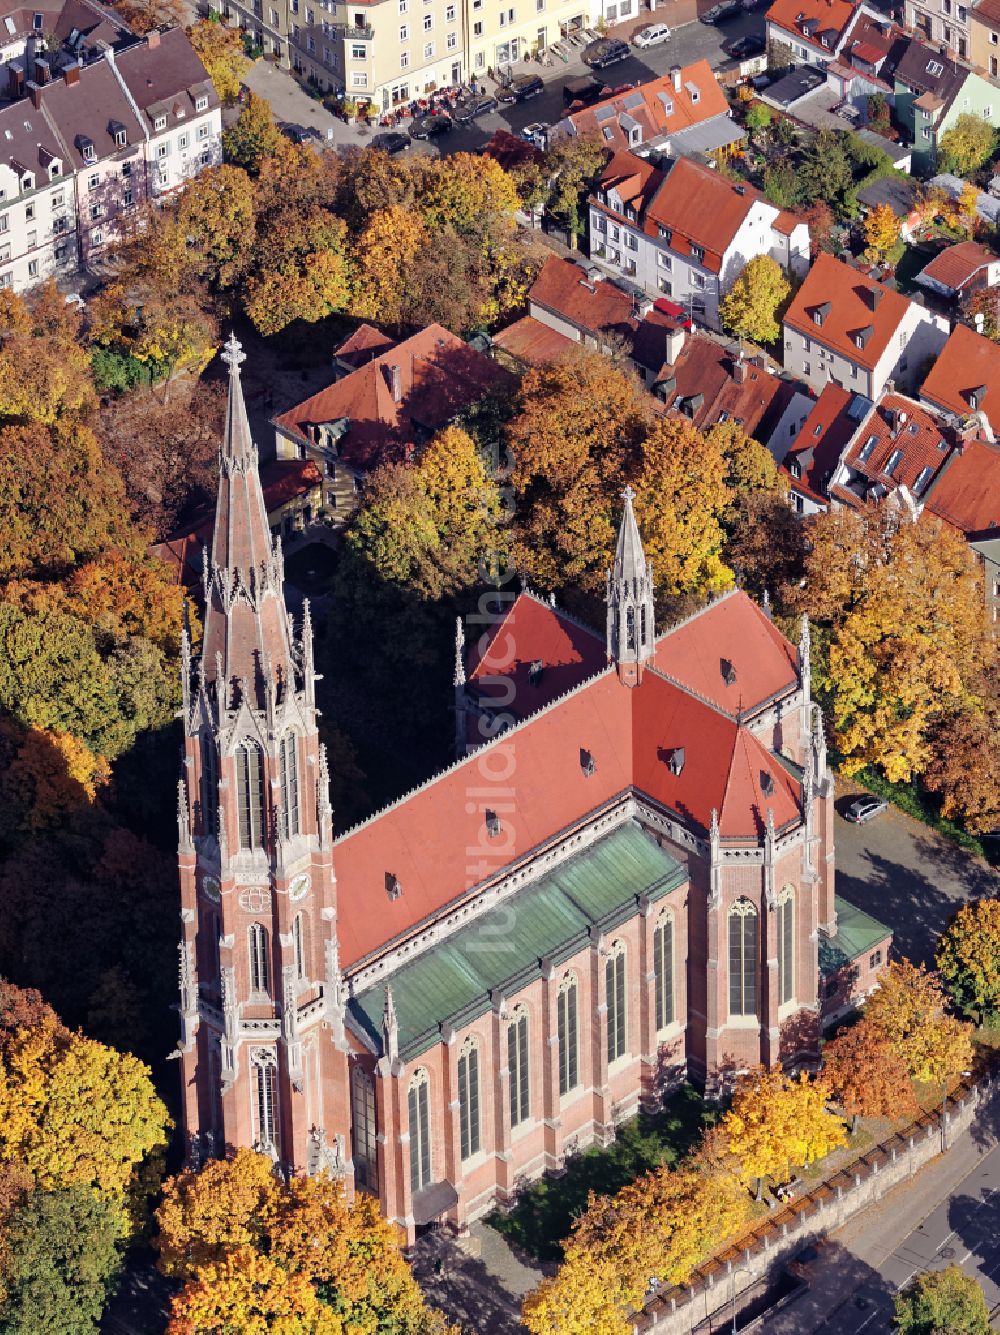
79, 154
845, 327
687, 235
945, 21
984, 37
56, 32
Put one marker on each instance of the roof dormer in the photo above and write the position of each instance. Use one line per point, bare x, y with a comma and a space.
88, 150
118, 133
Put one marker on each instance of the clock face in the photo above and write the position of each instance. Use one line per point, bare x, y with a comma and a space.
211, 888
299, 886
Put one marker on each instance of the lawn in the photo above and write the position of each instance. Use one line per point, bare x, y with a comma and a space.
544, 1211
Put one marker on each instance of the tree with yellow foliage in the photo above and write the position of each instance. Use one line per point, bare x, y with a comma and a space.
751, 306
909, 1012
967, 209
581, 1298
384, 253
251, 1292
881, 231
469, 194
303, 271
220, 50
44, 369
968, 956
52, 775
779, 1122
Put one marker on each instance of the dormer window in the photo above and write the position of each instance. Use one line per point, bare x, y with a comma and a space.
88, 150
697, 252
934, 68
392, 887
666, 235
201, 103
38, 22
821, 312
160, 123
863, 335
976, 397
54, 170
796, 469
587, 763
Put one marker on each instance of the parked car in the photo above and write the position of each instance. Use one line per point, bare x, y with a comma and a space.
393, 141
742, 48
651, 36
466, 112
427, 127
864, 809
522, 89
605, 51
537, 133
722, 12
585, 90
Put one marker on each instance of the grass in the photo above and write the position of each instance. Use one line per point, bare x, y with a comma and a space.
544, 1212
918, 804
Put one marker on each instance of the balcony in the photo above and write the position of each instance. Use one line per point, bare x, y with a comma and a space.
353, 34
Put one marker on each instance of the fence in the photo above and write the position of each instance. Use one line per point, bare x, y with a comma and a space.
759, 1254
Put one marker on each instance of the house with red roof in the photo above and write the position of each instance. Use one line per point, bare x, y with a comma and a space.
812, 31
393, 399
627, 880
688, 233
959, 269
964, 380
846, 327
814, 454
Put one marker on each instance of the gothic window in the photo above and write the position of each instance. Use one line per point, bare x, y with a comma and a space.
363, 1130
743, 951
265, 1090
468, 1097
300, 938
209, 785
289, 786
566, 1021
419, 1107
517, 1066
630, 627
786, 945
260, 971
663, 969
214, 930
250, 793
614, 979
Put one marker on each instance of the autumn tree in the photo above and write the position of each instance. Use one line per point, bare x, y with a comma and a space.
968, 958
142, 16
248, 1290
385, 252
581, 1298
469, 194
750, 308
574, 442
966, 146
866, 1075
818, 216
908, 1012
303, 271
210, 231
881, 230
253, 137
572, 165
220, 50
779, 1122
942, 1300
44, 369
964, 766
51, 775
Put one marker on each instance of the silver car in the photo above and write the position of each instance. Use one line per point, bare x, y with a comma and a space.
864, 809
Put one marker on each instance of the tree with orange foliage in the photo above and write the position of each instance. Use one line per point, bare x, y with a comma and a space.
866, 1075
303, 271
908, 1012
881, 230
384, 253
249, 1291
52, 775
44, 369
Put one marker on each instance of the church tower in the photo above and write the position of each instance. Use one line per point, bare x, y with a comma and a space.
262, 1053
630, 601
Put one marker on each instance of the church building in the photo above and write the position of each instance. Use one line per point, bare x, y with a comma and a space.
625, 879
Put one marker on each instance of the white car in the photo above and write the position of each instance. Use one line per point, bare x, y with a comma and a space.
652, 36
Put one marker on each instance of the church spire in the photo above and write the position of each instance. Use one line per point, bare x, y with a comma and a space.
246, 628
630, 630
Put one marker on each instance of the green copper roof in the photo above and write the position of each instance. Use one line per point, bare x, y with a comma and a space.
551, 918
857, 933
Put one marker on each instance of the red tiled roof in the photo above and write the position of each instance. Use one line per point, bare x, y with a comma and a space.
954, 266
439, 377
966, 492
634, 179
967, 362
830, 15
898, 423
707, 369
818, 446
564, 288
701, 208
657, 107
361, 346
532, 342
848, 294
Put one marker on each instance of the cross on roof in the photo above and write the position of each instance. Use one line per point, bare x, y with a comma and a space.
628, 495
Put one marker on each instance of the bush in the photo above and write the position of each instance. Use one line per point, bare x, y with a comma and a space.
116, 372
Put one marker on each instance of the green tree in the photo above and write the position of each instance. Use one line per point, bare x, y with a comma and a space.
758, 117
254, 136
750, 307
782, 185
967, 146
572, 165
942, 1302
59, 1258
825, 169
968, 957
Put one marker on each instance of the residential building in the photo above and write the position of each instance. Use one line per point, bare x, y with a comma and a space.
683, 112
386, 409
810, 31
899, 443
957, 270
37, 197
987, 205
846, 327
931, 91
945, 22
966, 494
689, 234
38, 41
865, 60
629, 879
813, 456
984, 36
964, 380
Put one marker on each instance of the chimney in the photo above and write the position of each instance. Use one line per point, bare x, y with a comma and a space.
15, 81
739, 368
43, 72
35, 93
72, 75
675, 346
153, 39
675, 76
395, 377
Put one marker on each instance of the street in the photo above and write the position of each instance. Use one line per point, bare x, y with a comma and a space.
691, 41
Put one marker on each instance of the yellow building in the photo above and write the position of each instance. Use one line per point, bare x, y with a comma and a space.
984, 35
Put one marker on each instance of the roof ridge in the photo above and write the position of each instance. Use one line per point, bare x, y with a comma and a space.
528, 592
456, 764
696, 695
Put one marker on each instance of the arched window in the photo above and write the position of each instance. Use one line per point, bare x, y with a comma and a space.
265, 1090
289, 786
468, 1097
567, 1003
517, 1066
364, 1130
786, 945
614, 979
630, 627
419, 1107
743, 951
250, 793
209, 785
213, 959
260, 965
663, 969
300, 939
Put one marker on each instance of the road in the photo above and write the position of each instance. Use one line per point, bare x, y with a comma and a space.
691, 41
